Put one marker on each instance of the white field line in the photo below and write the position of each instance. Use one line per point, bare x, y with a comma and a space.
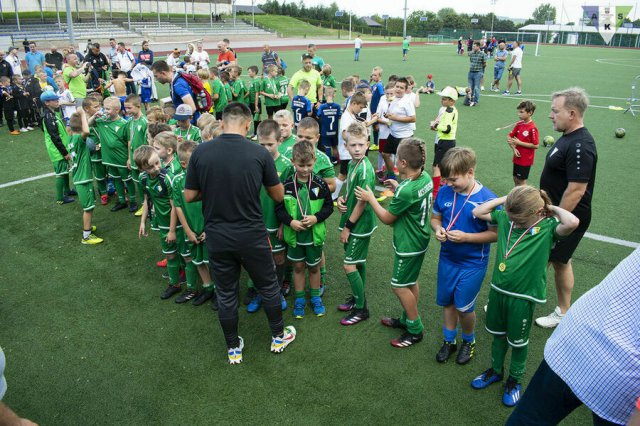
32, 178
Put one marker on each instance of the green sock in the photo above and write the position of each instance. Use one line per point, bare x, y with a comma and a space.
288, 272
357, 287
59, 188
192, 276
403, 318
299, 294
119, 189
323, 274
65, 179
415, 326
173, 269
315, 292
131, 190
518, 362
250, 283
362, 270
499, 348
209, 287
102, 186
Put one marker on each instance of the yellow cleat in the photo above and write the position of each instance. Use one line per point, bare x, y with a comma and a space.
93, 228
381, 199
138, 212
91, 239
374, 147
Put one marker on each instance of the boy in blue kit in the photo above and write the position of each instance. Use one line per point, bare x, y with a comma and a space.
464, 254
329, 114
301, 105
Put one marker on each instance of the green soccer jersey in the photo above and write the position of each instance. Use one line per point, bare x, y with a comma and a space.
54, 154
405, 44
328, 81
160, 189
172, 122
173, 167
270, 86
138, 135
191, 134
217, 88
523, 273
304, 238
192, 211
323, 166
411, 205
81, 171
285, 170
254, 87
114, 141
283, 83
285, 147
227, 89
96, 156
360, 174
239, 89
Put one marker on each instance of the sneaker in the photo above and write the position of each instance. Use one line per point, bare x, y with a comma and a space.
506, 93
104, 199
392, 323
65, 200
472, 104
23, 130
138, 212
202, 297
286, 288
14, 132
162, 263
551, 320
387, 193
374, 148
446, 350
133, 207
111, 189
485, 379
71, 193
186, 296
283, 303
347, 305
29, 128
214, 302
356, 316
482, 88
91, 239
298, 307
512, 392
318, 307
279, 343
466, 352
407, 339
322, 289
251, 294
518, 93
165, 276
254, 305
119, 206
169, 291
235, 354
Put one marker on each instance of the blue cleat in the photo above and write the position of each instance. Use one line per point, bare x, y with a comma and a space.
512, 392
485, 379
254, 305
298, 307
318, 307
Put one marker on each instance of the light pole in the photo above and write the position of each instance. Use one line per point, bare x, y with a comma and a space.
493, 14
404, 24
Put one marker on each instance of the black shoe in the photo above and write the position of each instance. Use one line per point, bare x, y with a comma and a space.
214, 302
65, 200
446, 351
133, 207
356, 316
186, 296
466, 352
165, 275
348, 304
251, 293
406, 340
169, 291
202, 297
119, 206
71, 193
392, 323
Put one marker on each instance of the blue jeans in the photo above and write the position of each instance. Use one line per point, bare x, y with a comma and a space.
357, 55
474, 83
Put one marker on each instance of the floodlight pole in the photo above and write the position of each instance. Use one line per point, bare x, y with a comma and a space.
15, 7
57, 15
158, 11
72, 38
493, 14
350, 25
128, 16
95, 15
253, 13
404, 24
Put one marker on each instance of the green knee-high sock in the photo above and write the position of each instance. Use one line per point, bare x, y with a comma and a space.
415, 326
191, 272
250, 284
131, 189
518, 362
173, 269
119, 189
65, 179
499, 349
362, 270
357, 287
102, 186
288, 272
140, 193
403, 318
323, 274
59, 188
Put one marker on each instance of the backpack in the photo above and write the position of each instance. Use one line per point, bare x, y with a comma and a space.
202, 98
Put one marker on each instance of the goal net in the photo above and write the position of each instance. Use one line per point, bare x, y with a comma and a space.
435, 38
530, 40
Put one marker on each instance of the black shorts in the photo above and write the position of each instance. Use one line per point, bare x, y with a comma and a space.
252, 107
218, 115
273, 109
521, 172
564, 249
329, 141
391, 146
283, 105
344, 167
440, 149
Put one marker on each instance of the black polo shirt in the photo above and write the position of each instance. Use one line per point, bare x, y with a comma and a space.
5, 69
229, 171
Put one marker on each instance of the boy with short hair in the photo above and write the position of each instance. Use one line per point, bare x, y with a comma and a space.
429, 87
81, 172
239, 90
446, 124
329, 114
307, 204
185, 131
137, 137
328, 80
464, 253
226, 78
284, 118
350, 116
348, 88
524, 140
270, 89
301, 105
22, 103
170, 111
218, 93
8, 104
283, 82
253, 99
91, 106
113, 133
383, 128
67, 101
119, 81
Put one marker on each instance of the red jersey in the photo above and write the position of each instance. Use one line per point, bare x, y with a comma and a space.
525, 132
227, 57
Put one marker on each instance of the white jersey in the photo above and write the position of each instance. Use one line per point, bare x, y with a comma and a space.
67, 110
345, 121
201, 59
517, 53
402, 107
383, 129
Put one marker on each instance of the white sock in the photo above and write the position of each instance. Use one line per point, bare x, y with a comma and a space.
85, 234
380, 161
336, 193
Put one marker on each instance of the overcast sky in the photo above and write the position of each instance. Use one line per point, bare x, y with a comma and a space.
510, 8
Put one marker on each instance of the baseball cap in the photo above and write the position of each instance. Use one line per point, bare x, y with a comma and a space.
449, 92
12, 48
429, 76
49, 95
183, 112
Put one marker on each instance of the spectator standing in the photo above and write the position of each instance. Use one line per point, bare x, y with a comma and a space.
99, 65
269, 57
358, 45
316, 60
76, 78
226, 58
14, 60
173, 60
33, 57
113, 52
179, 89
200, 57
498, 68
478, 61
312, 76
72, 49
54, 59
515, 67
145, 56
126, 62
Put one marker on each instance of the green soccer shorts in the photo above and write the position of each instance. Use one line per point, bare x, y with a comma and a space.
311, 255
135, 175
99, 170
61, 167
406, 270
277, 245
119, 173
86, 195
356, 250
197, 252
509, 317
170, 248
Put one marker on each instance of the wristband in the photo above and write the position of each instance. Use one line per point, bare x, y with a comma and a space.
349, 225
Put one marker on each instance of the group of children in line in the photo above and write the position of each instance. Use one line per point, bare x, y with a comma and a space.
149, 156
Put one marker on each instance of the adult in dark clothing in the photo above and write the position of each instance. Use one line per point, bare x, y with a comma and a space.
145, 56
568, 177
54, 58
236, 234
5, 71
99, 65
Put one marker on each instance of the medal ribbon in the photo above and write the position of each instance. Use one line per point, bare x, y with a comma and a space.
521, 236
453, 220
350, 178
295, 189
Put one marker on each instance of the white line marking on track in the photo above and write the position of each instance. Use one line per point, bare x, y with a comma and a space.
529, 97
612, 61
32, 178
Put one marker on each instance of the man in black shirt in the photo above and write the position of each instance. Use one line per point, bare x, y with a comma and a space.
569, 176
99, 65
227, 175
5, 71
54, 59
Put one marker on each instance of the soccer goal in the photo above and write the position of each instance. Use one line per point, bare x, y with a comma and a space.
435, 39
527, 38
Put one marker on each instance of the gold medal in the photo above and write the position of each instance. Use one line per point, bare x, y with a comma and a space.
502, 266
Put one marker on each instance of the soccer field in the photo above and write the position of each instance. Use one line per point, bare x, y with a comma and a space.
88, 341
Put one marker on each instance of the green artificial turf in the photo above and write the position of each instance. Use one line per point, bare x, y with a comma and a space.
88, 341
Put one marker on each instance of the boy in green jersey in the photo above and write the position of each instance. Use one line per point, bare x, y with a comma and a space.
185, 131
409, 214
166, 145
91, 105
218, 93
269, 138
307, 204
226, 80
194, 251
283, 82
239, 90
56, 140
137, 137
81, 173
157, 184
270, 90
113, 133
170, 110
284, 118
528, 227
255, 86
357, 223
328, 80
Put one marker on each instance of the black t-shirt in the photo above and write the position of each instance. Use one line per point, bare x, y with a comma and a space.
54, 58
572, 158
5, 69
229, 172
97, 61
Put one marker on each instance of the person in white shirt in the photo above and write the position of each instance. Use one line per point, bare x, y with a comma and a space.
402, 117
358, 45
173, 60
13, 60
200, 58
126, 62
515, 67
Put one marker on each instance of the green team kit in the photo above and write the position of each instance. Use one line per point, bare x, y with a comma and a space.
285, 147
99, 170
271, 87
191, 134
217, 88
239, 91
138, 137
323, 167
60, 165
195, 219
285, 170
81, 171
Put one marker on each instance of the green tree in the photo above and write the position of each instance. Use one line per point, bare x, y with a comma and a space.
544, 12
